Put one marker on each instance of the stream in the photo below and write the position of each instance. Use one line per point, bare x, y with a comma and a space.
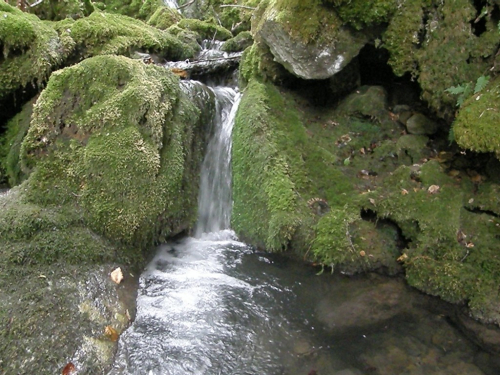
210, 304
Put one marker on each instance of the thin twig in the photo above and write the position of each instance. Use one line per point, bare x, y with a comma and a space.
186, 5
35, 3
348, 235
237, 6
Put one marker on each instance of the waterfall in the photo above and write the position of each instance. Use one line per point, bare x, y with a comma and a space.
171, 4
215, 199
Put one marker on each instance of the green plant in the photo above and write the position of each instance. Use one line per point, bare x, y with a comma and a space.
464, 91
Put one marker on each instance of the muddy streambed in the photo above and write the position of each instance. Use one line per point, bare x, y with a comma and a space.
214, 306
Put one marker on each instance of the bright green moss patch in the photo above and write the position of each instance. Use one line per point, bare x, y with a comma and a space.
31, 49
359, 15
105, 33
307, 21
141, 9
477, 125
207, 30
120, 138
240, 42
164, 17
265, 197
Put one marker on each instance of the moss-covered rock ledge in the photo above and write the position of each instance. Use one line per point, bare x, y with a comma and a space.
110, 164
343, 188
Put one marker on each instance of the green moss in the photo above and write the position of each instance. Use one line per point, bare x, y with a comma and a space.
443, 52
402, 37
207, 30
164, 17
476, 125
141, 9
307, 21
332, 244
357, 14
240, 42
117, 136
258, 62
265, 197
55, 10
104, 33
10, 144
31, 49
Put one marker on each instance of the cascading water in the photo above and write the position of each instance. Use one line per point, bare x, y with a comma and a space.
171, 4
214, 202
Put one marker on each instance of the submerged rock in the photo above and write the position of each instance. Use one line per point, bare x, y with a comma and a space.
371, 305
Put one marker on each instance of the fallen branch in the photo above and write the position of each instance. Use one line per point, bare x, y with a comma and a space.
185, 5
35, 3
237, 6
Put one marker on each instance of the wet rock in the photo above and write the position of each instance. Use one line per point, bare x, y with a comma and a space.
375, 303
419, 124
369, 101
311, 61
412, 146
349, 371
486, 336
310, 41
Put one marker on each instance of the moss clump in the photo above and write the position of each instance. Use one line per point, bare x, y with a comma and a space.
10, 144
441, 49
164, 17
240, 42
476, 125
140, 9
117, 136
103, 34
258, 62
55, 10
306, 21
31, 49
206, 30
265, 207
357, 14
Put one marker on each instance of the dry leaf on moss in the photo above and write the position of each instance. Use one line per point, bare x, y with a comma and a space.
111, 333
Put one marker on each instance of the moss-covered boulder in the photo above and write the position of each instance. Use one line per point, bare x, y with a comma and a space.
307, 38
239, 43
477, 125
31, 49
292, 188
56, 295
347, 188
55, 10
164, 17
104, 34
206, 30
140, 9
120, 138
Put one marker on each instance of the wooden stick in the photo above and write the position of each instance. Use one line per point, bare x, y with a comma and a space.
237, 6
186, 5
